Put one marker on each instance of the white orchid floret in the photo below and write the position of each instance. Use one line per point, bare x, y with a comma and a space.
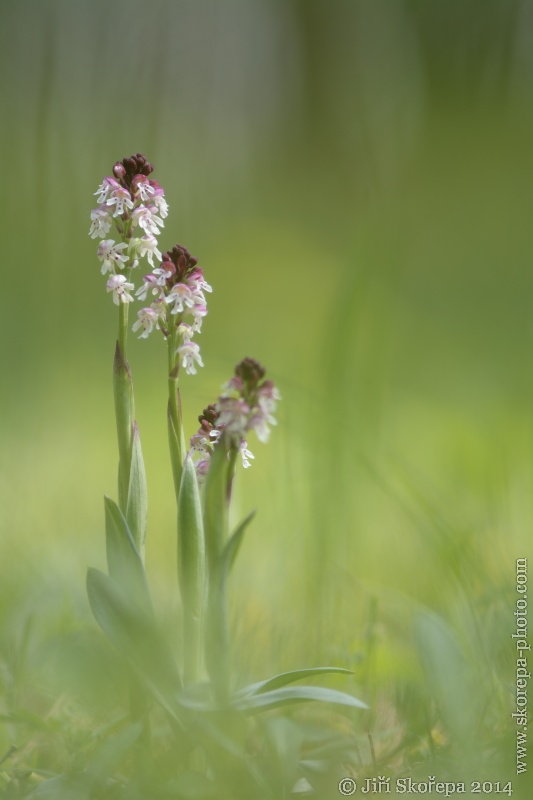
100, 222
149, 283
121, 199
201, 445
148, 319
204, 286
162, 275
142, 188
147, 246
181, 296
120, 288
233, 415
107, 185
198, 312
146, 218
197, 285
185, 332
159, 201
259, 422
245, 454
189, 355
160, 307
262, 416
110, 255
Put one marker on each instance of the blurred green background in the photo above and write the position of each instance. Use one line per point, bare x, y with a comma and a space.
355, 178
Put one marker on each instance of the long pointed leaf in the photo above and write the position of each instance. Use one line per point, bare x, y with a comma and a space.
277, 681
123, 559
289, 695
216, 506
232, 547
137, 503
191, 568
134, 633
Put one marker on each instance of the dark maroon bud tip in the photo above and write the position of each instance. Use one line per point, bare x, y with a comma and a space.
119, 171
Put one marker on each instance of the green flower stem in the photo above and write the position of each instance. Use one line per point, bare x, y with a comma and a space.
124, 406
216, 517
132, 494
191, 571
131, 477
176, 434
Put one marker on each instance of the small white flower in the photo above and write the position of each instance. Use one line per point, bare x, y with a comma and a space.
182, 297
147, 219
142, 188
110, 255
120, 288
197, 286
198, 312
162, 275
200, 444
189, 352
148, 247
161, 203
245, 454
148, 319
160, 307
233, 415
185, 332
204, 286
107, 185
100, 222
149, 282
121, 199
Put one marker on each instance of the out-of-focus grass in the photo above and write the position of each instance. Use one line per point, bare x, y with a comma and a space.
385, 283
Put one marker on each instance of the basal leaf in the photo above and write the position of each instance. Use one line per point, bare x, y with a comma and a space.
289, 695
137, 504
284, 678
191, 568
216, 506
191, 543
123, 559
233, 544
134, 633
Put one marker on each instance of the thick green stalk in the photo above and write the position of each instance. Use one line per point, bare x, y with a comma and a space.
216, 517
191, 571
131, 476
176, 435
131, 489
124, 414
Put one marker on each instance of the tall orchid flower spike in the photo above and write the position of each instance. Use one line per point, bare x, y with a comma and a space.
129, 216
247, 403
177, 288
134, 205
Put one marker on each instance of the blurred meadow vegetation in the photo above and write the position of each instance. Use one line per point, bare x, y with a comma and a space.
355, 179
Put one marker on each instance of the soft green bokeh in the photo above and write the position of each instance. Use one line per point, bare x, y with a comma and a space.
355, 179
